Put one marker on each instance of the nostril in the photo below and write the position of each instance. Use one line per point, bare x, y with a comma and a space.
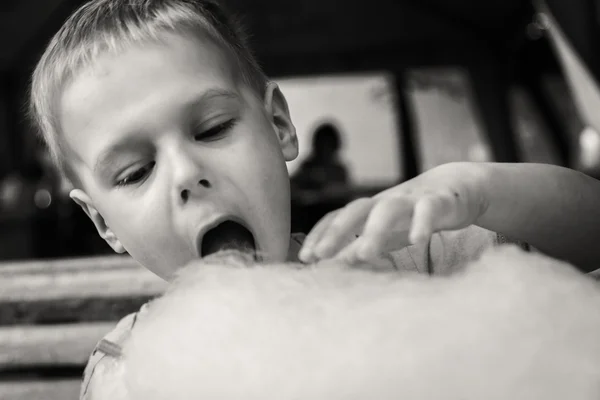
185, 194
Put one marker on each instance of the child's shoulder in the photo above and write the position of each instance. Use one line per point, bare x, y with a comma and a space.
107, 350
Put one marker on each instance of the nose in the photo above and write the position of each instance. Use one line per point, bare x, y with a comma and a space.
201, 185
190, 176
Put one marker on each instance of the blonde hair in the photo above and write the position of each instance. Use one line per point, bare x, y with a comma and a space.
102, 26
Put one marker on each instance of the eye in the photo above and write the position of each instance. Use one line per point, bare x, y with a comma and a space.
136, 176
215, 131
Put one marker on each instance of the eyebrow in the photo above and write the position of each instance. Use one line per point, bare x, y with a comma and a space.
106, 158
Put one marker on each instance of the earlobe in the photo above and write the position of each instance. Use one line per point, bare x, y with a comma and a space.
84, 201
277, 109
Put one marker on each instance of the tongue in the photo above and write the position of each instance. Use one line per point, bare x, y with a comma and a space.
229, 235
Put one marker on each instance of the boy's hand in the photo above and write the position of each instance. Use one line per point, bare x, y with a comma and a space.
447, 197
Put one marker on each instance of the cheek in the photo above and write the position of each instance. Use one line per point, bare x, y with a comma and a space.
257, 159
124, 214
151, 240
262, 179
140, 225
264, 174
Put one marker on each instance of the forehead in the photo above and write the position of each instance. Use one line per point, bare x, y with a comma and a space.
121, 88
142, 67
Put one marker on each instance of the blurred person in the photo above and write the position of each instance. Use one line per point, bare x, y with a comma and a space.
323, 171
321, 183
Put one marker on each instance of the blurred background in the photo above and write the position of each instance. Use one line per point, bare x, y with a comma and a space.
398, 88
379, 92
393, 89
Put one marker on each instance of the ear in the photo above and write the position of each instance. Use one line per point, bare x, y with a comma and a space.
277, 110
84, 201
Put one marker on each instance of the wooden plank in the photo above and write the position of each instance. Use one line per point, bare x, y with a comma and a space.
74, 310
99, 283
53, 345
40, 390
74, 290
64, 265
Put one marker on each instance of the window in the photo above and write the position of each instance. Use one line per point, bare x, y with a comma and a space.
362, 110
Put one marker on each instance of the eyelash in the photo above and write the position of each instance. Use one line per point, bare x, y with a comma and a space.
216, 130
207, 134
128, 180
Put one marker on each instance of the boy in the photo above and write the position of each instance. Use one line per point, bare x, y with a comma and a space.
176, 143
511, 326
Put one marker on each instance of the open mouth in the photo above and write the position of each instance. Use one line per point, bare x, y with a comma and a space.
228, 235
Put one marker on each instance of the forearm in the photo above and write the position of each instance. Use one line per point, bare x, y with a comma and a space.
555, 209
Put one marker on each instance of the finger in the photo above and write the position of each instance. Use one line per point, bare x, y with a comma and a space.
425, 212
306, 253
344, 227
348, 254
432, 213
386, 228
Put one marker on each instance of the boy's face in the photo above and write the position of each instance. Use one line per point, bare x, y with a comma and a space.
167, 143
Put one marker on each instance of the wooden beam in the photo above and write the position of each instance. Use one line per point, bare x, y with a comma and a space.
111, 283
66, 265
70, 310
41, 390
77, 290
53, 345
407, 128
491, 84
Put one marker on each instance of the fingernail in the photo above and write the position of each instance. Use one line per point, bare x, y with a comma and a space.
304, 254
414, 238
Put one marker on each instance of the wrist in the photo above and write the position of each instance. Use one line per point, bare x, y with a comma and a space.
475, 182
482, 175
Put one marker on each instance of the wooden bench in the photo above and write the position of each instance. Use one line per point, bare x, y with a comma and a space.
53, 313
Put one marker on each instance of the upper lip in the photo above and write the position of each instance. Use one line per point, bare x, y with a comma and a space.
214, 223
